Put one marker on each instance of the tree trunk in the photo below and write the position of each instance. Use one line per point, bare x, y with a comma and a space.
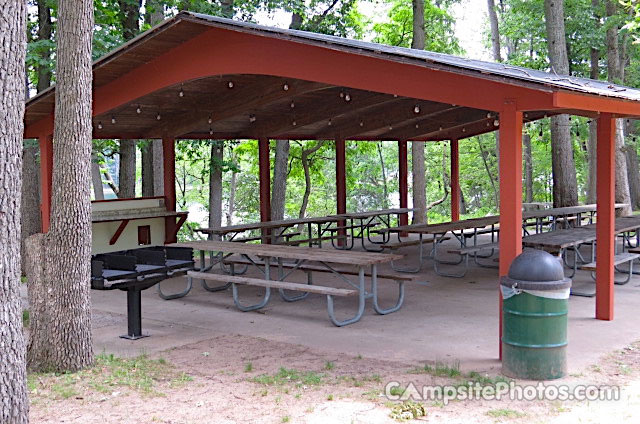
14, 405
594, 73
485, 161
418, 180
615, 74
96, 179
154, 10
633, 171
158, 167
417, 41
215, 184
305, 158
528, 168
232, 195
565, 185
147, 169
418, 183
68, 245
44, 33
279, 187
127, 170
463, 202
385, 186
30, 202
495, 32
129, 17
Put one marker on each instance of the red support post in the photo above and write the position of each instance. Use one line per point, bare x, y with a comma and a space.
46, 179
605, 224
510, 191
403, 178
265, 179
455, 181
169, 176
341, 186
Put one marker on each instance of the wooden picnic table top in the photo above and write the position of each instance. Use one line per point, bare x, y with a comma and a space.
561, 239
349, 257
297, 221
370, 214
567, 210
268, 225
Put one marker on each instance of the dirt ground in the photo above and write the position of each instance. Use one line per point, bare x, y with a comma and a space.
241, 379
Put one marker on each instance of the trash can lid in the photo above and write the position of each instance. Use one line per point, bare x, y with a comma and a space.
536, 270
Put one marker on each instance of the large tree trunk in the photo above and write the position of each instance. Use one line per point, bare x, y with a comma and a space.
232, 195
279, 187
495, 32
68, 245
215, 184
594, 73
158, 167
30, 199
633, 171
44, 33
96, 179
129, 17
418, 183
565, 185
528, 169
127, 169
615, 74
14, 405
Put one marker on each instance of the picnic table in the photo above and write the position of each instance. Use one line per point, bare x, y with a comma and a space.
309, 260
330, 227
558, 242
469, 229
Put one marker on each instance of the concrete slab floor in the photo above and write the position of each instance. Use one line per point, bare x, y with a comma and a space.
443, 319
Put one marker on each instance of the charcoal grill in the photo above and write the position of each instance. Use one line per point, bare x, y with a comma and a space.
136, 270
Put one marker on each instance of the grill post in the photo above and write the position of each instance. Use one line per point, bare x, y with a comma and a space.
134, 315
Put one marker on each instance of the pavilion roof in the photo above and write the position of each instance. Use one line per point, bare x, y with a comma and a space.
316, 115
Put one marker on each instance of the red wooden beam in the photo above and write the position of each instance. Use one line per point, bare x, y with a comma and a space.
46, 179
403, 177
232, 52
455, 180
119, 230
341, 186
171, 238
265, 179
510, 190
169, 176
605, 225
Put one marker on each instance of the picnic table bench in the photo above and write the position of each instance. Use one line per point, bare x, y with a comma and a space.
307, 259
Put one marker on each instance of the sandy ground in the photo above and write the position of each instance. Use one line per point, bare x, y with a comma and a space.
348, 390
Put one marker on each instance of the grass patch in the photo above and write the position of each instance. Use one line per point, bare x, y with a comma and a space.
329, 366
440, 369
290, 376
248, 367
505, 413
109, 374
408, 410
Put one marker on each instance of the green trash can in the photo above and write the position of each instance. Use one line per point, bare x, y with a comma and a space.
535, 303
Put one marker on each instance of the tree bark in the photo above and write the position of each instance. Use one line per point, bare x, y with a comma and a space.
418, 183
633, 170
68, 245
615, 74
528, 168
154, 12
215, 184
385, 186
96, 179
495, 32
127, 170
157, 159
14, 405
44, 33
232, 195
279, 187
305, 158
30, 199
565, 184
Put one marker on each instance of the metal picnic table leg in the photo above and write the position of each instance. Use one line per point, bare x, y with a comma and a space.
420, 257
374, 291
365, 227
231, 271
283, 294
361, 303
267, 291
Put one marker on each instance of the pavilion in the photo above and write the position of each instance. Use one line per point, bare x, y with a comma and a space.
197, 76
